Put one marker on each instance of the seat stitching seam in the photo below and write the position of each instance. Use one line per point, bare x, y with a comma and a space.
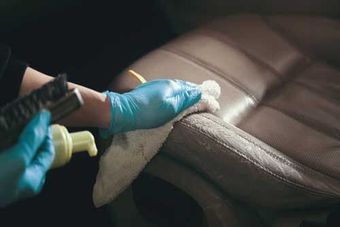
249, 159
292, 77
252, 57
313, 90
275, 156
296, 117
277, 29
308, 54
266, 170
214, 70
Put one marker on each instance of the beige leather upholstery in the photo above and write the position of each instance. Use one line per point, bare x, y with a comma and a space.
275, 142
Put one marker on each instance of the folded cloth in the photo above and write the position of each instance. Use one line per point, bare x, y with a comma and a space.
130, 152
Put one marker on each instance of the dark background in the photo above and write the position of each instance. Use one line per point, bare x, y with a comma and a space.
92, 41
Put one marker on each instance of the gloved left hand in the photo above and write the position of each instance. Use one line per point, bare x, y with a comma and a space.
150, 105
23, 166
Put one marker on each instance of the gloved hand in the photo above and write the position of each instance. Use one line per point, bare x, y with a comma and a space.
150, 105
23, 166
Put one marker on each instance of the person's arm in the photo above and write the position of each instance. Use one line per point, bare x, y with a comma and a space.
149, 105
95, 112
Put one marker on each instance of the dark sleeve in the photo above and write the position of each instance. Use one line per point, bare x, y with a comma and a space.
11, 74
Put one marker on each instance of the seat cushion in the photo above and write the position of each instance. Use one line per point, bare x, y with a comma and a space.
280, 87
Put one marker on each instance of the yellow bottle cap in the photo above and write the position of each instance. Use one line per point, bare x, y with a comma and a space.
138, 76
66, 144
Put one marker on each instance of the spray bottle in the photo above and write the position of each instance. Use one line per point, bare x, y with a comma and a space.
60, 101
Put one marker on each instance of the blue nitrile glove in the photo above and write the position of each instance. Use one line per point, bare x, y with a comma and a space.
23, 166
150, 105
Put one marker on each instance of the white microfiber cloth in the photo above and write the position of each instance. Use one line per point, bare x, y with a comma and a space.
130, 152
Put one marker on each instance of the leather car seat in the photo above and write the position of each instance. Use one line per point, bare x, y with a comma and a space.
275, 144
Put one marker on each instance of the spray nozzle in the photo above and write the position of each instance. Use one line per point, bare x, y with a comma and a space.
66, 144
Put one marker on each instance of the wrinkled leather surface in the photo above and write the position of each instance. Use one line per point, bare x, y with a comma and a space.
246, 168
276, 139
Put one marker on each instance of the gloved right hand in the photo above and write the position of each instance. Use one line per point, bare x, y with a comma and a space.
23, 166
150, 105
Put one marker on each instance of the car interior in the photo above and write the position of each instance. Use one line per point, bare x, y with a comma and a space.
269, 157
